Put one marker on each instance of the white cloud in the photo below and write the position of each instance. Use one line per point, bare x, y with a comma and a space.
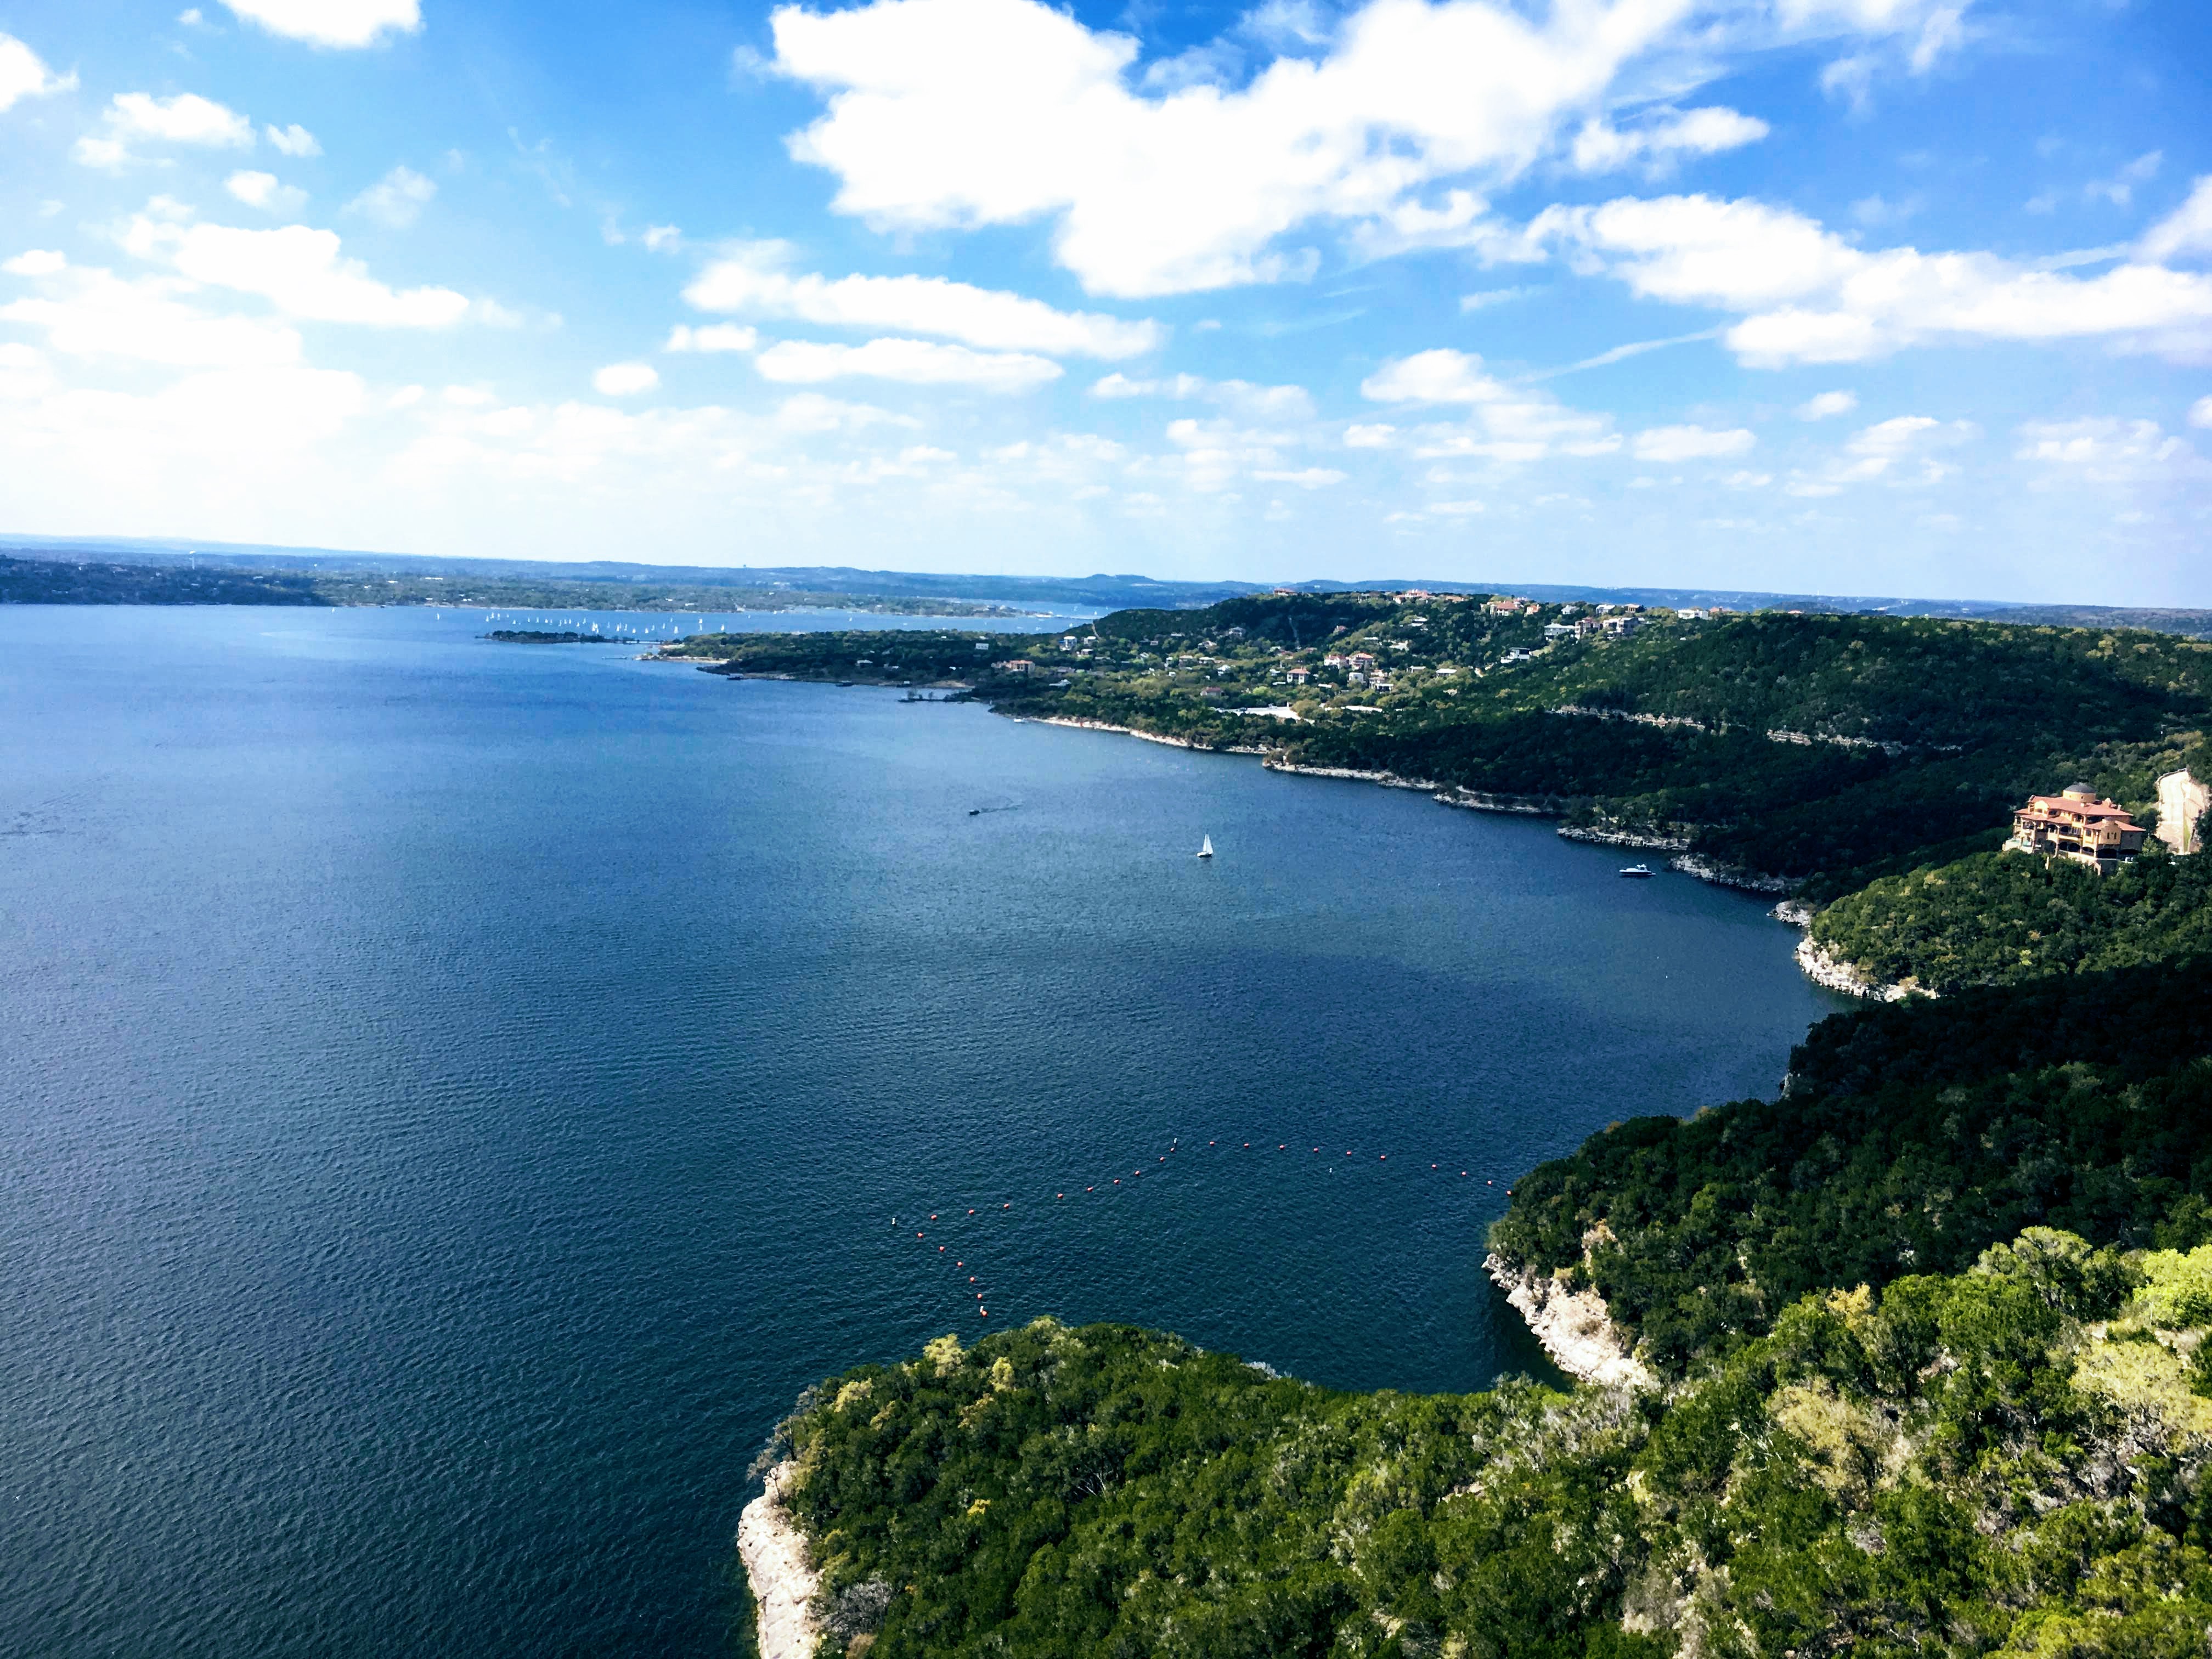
205, 438
1374, 434
1821, 405
1442, 376
262, 189
662, 238
1599, 148
1506, 422
625, 379
1902, 451
1310, 478
331, 22
1496, 296
300, 270
750, 281
91, 312
2107, 450
1258, 402
22, 75
36, 262
955, 114
294, 140
1216, 453
396, 200
714, 337
1456, 509
2185, 233
24, 371
1666, 443
918, 362
810, 411
2120, 190
1812, 297
2200, 412
186, 119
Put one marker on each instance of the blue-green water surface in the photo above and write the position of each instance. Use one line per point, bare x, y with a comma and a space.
453, 1096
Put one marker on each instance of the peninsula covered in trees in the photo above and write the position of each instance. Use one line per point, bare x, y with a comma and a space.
1815, 751
1924, 1338
56, 579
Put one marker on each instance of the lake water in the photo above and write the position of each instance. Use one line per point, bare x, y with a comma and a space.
456, 1095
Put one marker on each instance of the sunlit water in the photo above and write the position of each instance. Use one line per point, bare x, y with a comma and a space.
455, 1095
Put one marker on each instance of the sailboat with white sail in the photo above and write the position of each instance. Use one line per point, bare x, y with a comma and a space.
1205, 847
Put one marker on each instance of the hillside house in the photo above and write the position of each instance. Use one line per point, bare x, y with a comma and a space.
2075, 824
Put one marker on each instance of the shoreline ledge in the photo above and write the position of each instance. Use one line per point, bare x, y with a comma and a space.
784, 1585
1075, 724
1824, 969
1575, 1327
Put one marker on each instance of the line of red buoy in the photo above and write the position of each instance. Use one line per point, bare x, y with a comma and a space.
983, 1312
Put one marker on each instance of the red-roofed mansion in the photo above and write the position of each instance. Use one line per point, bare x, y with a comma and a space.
2074, 824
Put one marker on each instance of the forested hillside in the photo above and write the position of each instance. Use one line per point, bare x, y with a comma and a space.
1998, 919
1912, 1137
1830, 749
2008, 1460
1928, 1328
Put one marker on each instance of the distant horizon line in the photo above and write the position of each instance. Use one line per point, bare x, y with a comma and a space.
940, 584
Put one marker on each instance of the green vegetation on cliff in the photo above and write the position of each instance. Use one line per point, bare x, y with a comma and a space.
2005, 918
2010, 1461
1913, 1136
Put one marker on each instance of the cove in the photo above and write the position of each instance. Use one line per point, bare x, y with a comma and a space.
457, 1094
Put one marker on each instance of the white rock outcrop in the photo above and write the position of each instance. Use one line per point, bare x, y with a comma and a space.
1836, 975
784, 1582
1575, 1327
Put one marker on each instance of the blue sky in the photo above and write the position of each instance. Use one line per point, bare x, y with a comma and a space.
1908, 296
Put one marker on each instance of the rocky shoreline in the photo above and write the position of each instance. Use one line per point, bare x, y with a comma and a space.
784, 1584
1731, 875
1646, 840
1079, 725
1575, 1327
1824, 970
1350, 775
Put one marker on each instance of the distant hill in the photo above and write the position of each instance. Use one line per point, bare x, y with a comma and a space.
1100, 592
